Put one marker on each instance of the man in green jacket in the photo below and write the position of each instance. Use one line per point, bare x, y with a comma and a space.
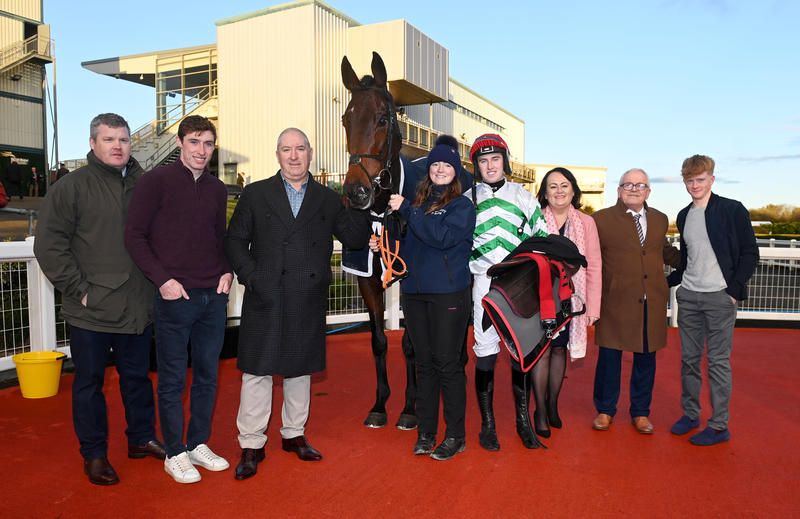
106, 300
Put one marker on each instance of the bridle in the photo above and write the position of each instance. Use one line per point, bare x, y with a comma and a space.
383, 180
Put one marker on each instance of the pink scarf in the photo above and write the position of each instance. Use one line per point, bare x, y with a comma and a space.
575, 232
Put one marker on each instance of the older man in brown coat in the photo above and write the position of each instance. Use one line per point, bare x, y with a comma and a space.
634, 251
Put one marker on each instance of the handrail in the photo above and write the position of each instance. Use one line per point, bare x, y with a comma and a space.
17, 52
31, 214
168, 145
185, 107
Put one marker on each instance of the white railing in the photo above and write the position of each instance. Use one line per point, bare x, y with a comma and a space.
29, 321
40, 330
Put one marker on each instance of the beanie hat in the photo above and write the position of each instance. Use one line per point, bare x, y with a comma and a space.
445, 151
490, 143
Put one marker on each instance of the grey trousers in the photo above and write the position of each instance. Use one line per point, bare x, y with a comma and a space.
255, 408
706, 318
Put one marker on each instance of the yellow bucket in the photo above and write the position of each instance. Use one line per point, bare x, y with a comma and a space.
39, 372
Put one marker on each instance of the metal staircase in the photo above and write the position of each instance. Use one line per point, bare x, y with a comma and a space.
152, 148
38, 48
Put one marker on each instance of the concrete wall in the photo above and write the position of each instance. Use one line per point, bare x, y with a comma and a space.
30, 9
276, 70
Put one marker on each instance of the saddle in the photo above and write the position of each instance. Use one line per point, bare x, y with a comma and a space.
530, 298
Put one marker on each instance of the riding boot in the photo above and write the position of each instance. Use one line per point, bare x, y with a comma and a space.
522, 393
484, 386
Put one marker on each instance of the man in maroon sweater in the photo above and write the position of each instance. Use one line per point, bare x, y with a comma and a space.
174, 233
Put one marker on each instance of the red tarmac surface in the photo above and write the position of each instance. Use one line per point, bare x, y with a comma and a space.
583, 473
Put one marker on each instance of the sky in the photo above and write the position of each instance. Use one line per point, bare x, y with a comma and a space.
616, 83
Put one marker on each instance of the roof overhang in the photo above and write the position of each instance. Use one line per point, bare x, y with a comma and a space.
137, 68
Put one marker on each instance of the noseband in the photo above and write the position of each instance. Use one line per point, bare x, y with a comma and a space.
383, 180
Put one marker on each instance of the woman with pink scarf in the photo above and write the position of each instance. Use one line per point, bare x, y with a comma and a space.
560, 199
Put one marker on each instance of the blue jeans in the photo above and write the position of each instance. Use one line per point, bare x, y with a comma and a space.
90, 351
200, 323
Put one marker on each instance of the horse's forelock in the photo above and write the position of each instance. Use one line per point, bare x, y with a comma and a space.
367, 82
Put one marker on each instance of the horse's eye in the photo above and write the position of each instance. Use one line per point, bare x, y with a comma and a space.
383, 120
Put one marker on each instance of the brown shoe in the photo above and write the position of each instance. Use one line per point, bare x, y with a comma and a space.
602, 422
642, 424
100, 471
301, 447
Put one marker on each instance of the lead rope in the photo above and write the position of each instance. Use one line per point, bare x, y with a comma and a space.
389, 258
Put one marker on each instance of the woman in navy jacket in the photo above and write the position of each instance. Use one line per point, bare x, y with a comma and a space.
436, 297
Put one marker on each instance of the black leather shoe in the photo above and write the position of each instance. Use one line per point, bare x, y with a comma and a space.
152, 448
300, 446
100, 471
449, 448
248, 464
425, 443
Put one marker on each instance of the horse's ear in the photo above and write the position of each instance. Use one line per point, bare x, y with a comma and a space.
378, 70
349, 77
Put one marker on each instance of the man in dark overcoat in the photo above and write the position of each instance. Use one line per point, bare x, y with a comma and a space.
279, 243
635, 293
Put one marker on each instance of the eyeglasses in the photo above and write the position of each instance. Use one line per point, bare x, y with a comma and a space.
630, 186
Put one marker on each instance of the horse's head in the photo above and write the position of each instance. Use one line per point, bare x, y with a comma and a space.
373, 136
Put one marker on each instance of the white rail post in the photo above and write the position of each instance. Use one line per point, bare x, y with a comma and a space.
392, 301
235, 298
41, 307
673, 306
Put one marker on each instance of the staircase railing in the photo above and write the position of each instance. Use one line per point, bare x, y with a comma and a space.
187, 106
19, 52
167, 142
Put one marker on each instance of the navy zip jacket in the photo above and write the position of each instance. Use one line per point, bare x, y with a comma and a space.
437, 246
732, 238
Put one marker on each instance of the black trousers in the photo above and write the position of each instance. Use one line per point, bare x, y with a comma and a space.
437, 325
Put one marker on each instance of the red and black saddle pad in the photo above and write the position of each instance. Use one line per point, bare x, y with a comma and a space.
528, 303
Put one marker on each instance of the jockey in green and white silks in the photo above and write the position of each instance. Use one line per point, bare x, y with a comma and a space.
507, 214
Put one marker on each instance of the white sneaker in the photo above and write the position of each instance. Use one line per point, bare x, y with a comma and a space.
205, 457
181, 469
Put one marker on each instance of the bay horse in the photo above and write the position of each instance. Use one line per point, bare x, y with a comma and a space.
373, 174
